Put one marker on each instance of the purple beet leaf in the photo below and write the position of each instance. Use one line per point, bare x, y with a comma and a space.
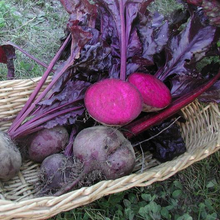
188, 47
154, 34
211, 95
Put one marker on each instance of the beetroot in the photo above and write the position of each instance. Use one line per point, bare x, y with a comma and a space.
107, 149
10, 157
113, 102
104, 149
47, 142
55, 171
155, 93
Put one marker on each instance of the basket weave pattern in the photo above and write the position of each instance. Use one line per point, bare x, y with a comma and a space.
17, 197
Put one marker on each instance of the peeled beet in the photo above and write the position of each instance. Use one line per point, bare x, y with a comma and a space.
113, 102
47, 142
155, 93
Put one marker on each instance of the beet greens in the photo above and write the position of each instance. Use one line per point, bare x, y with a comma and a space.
112, 39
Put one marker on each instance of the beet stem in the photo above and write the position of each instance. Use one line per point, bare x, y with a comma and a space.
27, 54
27, 129
51, 111
123, 42
26, 110
68, 152
40, 97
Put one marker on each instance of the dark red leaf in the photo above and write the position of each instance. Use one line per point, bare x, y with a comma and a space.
3, 57
212, 94
7, 52
194, 2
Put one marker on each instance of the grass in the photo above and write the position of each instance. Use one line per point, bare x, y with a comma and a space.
37, 26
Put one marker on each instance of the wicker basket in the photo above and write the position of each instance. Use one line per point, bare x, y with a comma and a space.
17, 196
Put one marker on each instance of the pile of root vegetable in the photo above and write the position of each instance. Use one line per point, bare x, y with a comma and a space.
123, 75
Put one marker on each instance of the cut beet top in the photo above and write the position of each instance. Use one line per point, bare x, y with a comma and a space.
155, 93
113, 102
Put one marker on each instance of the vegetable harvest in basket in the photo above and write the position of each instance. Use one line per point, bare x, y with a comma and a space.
123, 72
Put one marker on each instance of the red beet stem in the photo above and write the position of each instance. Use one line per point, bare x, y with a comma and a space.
123, 42
30, 104
28, 55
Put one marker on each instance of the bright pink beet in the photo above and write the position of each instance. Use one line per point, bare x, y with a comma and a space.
113, 102
155, 93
